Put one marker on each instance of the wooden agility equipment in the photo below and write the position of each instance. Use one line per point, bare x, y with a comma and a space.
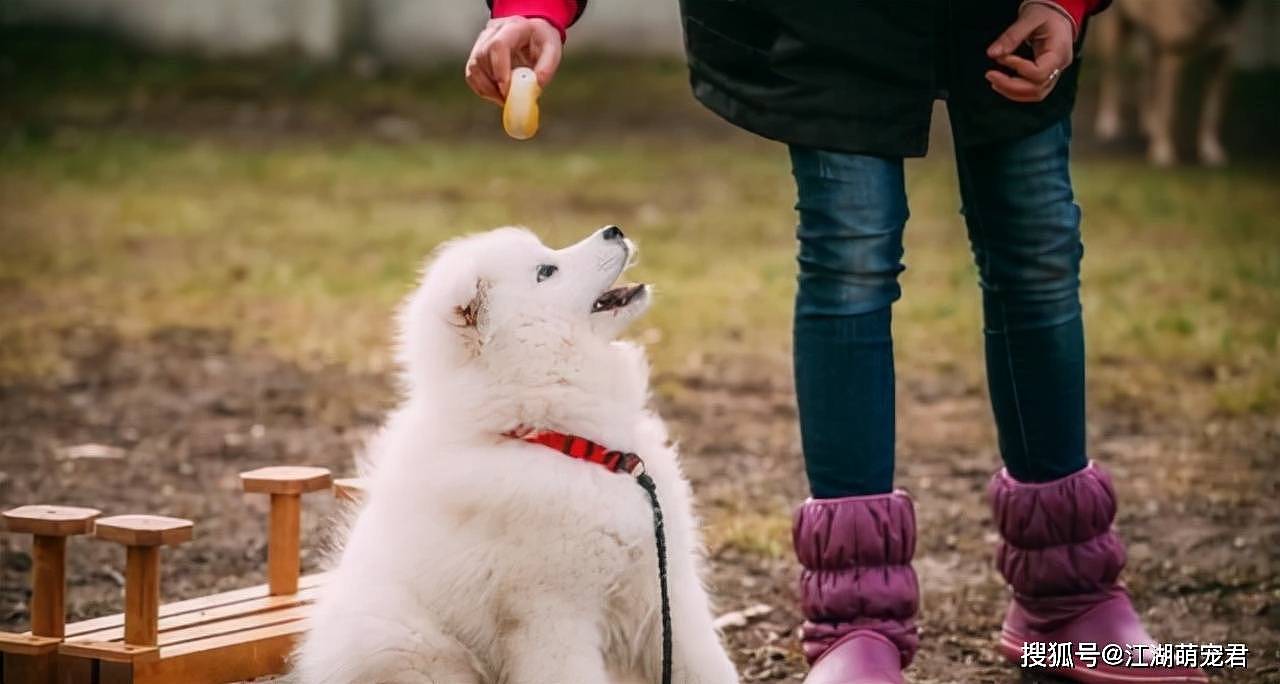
225, 637
107, 661
32, 656
286, 485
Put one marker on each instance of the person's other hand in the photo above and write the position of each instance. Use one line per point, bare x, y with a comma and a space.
510, 42
1051, 36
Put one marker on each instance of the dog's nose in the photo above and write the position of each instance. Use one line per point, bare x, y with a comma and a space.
612, 233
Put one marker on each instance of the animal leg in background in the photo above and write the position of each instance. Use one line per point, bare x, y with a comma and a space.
1208, 139
1111, 31
1166, 79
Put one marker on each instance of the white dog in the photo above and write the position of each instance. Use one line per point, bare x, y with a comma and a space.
479, 556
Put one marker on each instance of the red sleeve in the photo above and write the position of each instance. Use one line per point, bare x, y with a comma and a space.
1080, 9
559, 13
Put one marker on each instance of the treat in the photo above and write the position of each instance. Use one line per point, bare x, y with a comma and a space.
520, 113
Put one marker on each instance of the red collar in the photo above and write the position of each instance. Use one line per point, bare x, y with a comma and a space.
583, 449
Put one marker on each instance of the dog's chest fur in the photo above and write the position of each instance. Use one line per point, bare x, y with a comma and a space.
556, 530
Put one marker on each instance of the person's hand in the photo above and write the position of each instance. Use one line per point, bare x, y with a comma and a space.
510, 42
1051, 36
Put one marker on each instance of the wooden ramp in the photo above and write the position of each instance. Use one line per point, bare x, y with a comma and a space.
236, 635
227, 637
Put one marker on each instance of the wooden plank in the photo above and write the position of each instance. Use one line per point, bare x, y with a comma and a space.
143, 530
286, 480
233, 629
225, 598
292, 629
115, 673
199, 617
79, 629
108, 650
50, 521
234, 625
226, 658
75, 670
28, 669
26, 644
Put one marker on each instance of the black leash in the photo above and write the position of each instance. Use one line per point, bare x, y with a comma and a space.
660, 537
629, 463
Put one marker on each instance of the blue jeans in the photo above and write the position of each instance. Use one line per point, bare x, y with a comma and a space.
1024, 230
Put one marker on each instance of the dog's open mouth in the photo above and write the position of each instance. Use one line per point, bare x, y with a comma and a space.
617, 297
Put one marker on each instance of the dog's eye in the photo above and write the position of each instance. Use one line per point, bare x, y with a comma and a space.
546, 271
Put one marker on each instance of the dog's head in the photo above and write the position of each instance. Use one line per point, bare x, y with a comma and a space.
504, 303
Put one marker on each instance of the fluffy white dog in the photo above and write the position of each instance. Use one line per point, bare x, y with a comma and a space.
482, 557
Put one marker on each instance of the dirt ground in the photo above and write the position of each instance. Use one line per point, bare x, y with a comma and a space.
190, 413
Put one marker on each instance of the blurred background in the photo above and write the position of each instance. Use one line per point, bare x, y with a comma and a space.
208, 212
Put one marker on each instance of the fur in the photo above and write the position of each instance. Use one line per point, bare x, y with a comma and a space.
481, 558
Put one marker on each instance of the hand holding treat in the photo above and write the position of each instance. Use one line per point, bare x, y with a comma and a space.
498, 68
520, 111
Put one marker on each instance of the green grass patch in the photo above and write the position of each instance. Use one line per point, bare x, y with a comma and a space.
756, 534
305, 241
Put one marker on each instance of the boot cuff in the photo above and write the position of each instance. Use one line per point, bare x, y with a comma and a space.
856, 557
855, 531
1057, 537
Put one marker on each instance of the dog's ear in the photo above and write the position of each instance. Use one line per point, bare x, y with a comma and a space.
471, 315
441, 323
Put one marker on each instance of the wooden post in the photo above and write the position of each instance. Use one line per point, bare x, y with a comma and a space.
142, 535
286, 485
284, 540
49, 526
32, 657
48, 586
142, 595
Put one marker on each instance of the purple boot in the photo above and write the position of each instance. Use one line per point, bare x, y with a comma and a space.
1061, 556
858, 592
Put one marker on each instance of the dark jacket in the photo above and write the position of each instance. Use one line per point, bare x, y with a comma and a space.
857, 75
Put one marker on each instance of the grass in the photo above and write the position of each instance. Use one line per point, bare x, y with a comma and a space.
132, 196
752, 533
